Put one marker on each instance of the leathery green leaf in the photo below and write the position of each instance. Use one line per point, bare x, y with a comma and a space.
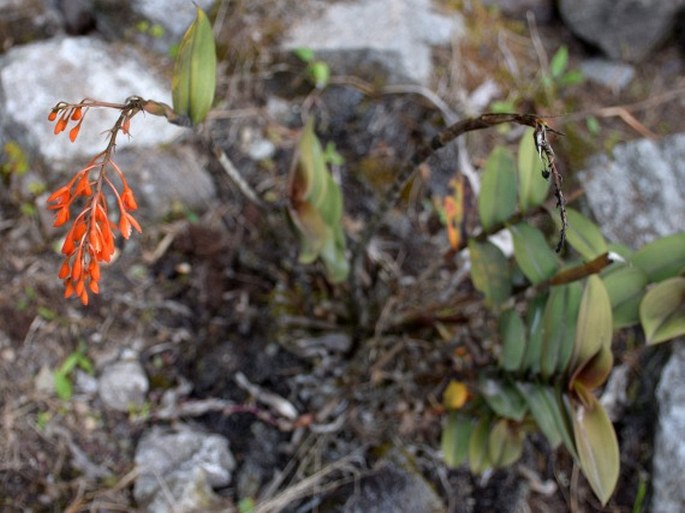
505, 443
194, 79
333, 255
532, 253
662, 311
559, 327
513, 333
595, 439
663, 258
455, 439
532, 187
503, 398
595, 325
549, 414
531, 360
490, 272
308, 182
478, 447
316, 208
584, 235
312, 230
497, 200
626, 288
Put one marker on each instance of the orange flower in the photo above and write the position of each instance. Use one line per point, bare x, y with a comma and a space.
91, 238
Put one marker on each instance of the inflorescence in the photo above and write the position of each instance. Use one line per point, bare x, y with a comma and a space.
90, 239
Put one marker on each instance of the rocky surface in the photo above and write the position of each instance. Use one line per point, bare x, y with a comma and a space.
157, 11
613, 75
394, 34
627, 30
630, 191
155, 29
123, 384
393, 488
168, 177
73, 68
177, 470
23, 21
669, 449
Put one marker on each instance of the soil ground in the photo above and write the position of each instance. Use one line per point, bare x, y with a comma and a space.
202, 296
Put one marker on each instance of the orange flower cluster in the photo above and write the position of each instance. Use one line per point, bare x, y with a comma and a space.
90, 239
69, 113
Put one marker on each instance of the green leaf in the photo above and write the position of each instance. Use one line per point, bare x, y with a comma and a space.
320, 73
490, 272
559, 62
497, 200
455, 439
333, 256
308, 182
85, 364
62, 384
505, 443
571, 78
595, 438
194, 79
559, 328
531, 360
594, 328
663, 258
532, 253
503, 398
584, 235
70, 362
316, 208
662, 311
478, 446
626, 288
593, 125
513, 333
331, 155
246, 505
532, 187
304, 54
500, 106
549, 414
312, 231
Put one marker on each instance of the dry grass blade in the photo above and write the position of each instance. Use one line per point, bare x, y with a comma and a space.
313, 484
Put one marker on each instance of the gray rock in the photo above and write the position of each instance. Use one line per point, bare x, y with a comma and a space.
23, 21
158, 11
393, 488
358, 37
33, 78
627, 29
610, 74
181, 466
260, 149
166, 176
669, 445
637, 195
122, 385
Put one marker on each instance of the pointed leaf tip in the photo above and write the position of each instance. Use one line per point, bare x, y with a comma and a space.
194, 79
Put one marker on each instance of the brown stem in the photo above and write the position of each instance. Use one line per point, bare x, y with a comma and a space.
453, 131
